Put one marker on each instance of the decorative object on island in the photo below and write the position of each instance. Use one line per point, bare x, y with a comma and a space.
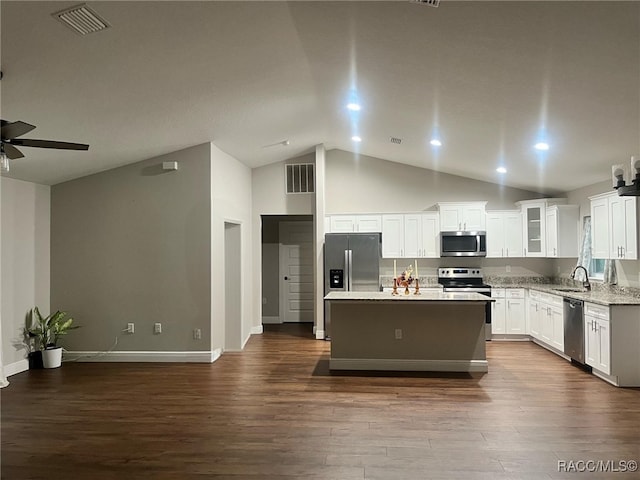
619, 174
406, 279
46, 331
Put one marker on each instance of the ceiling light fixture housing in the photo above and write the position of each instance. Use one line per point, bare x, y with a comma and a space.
81, 19
619, 173
430, 3
436, 143
541, 146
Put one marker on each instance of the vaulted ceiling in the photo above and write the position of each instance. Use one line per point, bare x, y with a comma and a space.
489, 78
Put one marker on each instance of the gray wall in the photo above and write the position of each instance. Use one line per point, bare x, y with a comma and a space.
133, 245
25, 262
361, 184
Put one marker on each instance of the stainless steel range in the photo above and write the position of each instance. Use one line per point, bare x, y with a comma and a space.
456, 279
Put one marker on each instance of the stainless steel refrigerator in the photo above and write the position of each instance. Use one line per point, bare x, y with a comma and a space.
351, 264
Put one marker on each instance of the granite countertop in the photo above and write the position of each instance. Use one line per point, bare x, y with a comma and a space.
599, 294
429, 296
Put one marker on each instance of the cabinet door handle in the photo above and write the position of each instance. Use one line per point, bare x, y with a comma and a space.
622, 252
502, 252
507, 251
401, 253
465, 226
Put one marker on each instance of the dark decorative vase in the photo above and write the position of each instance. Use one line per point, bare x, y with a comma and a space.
35, 360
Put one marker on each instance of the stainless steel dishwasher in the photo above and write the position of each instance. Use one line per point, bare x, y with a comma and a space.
574, 329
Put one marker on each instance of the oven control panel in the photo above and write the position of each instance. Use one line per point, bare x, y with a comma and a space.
455, 272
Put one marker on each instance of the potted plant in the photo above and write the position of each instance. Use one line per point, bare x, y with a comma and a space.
47, 331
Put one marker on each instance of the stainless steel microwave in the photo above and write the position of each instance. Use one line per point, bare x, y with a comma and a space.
463, 244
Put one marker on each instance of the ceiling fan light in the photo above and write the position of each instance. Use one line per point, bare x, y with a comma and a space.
4, 162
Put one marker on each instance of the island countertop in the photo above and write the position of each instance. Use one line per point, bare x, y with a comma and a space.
426, 296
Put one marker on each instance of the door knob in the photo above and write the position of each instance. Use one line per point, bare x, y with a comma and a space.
286, 278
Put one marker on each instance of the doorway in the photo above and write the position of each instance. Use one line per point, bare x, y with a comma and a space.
287, 251
232, 287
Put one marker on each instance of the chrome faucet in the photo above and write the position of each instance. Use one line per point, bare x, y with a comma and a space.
585, 284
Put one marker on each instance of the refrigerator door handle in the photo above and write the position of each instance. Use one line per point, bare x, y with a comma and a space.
350, 268
347, 273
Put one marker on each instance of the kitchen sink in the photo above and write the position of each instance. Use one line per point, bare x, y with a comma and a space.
569, 289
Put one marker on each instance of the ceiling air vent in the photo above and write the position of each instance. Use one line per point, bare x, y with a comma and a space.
299, 178
431, 3
395, 140
81, 19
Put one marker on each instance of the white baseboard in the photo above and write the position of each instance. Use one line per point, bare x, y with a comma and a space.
143, 356
271, 320
320, 334
16, 367
257, 330
410, 365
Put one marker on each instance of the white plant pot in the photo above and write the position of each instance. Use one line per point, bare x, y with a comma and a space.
52, 357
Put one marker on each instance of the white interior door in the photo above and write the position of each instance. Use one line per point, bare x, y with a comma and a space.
296, 272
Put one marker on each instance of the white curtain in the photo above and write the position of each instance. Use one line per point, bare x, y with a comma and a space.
610, 275
584, 256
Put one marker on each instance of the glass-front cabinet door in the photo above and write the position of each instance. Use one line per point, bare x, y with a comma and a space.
534, 231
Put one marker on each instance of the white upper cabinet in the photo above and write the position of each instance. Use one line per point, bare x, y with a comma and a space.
504, 233
562, 231
355, 223
623, 215
614, 226
413, 235
600, 227
467, 216
430, 235
534, 219
393, 236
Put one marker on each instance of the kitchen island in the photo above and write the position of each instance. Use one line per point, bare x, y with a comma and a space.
433, 331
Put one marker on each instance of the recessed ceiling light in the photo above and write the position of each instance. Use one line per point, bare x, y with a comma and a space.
356, 138
436, 143
541, 146
354, 107
501, 170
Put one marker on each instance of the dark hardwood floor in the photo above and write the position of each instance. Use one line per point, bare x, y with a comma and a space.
275, 411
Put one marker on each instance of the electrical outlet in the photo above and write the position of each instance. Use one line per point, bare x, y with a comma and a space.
398, 334
197, 334
131, 328
157, 328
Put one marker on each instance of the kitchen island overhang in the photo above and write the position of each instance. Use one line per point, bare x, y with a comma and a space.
433, 331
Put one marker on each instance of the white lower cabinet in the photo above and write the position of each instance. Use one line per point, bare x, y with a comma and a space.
551, 320
508, 311
597, 337
534, 317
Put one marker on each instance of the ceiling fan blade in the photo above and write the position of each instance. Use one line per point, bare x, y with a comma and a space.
30, 142
14, 129
11, 151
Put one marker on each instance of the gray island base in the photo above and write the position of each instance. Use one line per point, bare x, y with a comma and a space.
434, 331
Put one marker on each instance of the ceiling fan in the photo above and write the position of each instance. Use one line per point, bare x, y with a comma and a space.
9, 131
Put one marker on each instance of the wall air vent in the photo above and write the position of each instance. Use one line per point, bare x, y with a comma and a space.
81, 19
299, 178
431, 3
395, 140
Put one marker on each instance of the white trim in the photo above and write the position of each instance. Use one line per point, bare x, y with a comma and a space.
16, 367
257, 330
216, 354
320, 334
269, 320
143, 356
395, 364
